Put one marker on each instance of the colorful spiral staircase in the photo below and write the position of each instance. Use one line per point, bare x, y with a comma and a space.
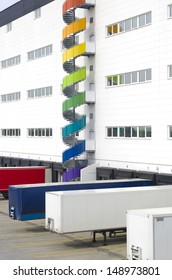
75, 99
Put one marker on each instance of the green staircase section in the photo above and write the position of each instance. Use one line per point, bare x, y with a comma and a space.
74, 101
74, 78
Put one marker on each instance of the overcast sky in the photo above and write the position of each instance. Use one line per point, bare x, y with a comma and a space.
6, 3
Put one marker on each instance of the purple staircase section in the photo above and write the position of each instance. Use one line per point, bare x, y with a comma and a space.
72, 174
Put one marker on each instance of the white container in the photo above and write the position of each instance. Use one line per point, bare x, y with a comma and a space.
149, 234
87, 210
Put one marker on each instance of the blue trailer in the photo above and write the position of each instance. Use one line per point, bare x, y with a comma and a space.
27, 202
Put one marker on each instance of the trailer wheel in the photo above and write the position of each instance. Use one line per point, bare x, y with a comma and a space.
5, 195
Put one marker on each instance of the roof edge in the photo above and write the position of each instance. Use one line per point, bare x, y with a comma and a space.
20, 9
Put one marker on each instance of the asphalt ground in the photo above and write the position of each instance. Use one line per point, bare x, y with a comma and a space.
29, 240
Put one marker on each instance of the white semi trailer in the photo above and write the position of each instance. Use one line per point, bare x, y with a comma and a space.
100, 210
149, 234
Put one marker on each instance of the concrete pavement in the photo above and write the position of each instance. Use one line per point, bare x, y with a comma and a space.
22, 240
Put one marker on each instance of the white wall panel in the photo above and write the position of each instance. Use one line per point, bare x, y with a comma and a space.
138, 104
28, 34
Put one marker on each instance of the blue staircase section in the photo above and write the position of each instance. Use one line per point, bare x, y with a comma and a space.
74, 151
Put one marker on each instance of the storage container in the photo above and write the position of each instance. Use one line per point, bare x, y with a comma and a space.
27, 202
23, 175
93, 210
149, 234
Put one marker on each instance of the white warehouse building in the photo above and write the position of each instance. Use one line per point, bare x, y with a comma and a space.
87, 83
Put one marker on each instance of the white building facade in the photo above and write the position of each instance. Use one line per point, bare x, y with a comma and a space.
31, 74
127, 86
134, 84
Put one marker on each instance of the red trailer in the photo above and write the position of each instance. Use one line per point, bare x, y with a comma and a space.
23, 175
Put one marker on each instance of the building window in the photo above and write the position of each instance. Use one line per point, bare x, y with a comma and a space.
170, 131
37, 13
141, 131
91, 19
45, 51
39, 132
134, 77
129, 78
142, 20
148, 131
10, 132
134, 23
134, 131
142, 76
148, 18
10, 97
39, 92
129, 24
9, 27
11, 62
129, 132
121, 132
115, 131
109, 132
169, 71
91, 116
148, 75
91, 67
170, 11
